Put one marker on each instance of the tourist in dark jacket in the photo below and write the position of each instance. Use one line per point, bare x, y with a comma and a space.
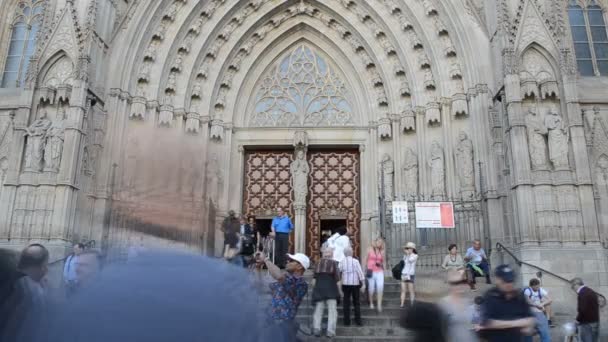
326, 292
588, 317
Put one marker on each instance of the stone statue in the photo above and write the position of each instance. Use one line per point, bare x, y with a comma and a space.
558, 140
601, 170
35, 143
54, 144
214, 178
3, 171
464, 162
437, 165
388, 168
410, 174
299, 177
536, 141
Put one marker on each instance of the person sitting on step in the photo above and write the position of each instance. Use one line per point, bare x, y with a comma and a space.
477, 263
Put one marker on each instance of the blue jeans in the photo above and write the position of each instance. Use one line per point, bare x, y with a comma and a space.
471, 274
542, 326
589, 332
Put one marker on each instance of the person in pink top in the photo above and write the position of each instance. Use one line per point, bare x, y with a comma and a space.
375, 259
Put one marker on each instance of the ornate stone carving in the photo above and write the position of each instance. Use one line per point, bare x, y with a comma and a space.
365, 58
299, 176
160, 32
408, 121
150, 53
197, 90
455, 72
171, 82
404, 88
558, 140
437, 165
537, 144
34, 147
217, 130
196, 27
423, 61
186, 45
300, 139
459, 105
388, 47
214, 176
53, 143
387, 168
465, 165
192, 123
144, 72
410, 174
429, 8
177, 64
171, 12
601, 171
381, 98
385, 129
165, 116
433, 113
429, 82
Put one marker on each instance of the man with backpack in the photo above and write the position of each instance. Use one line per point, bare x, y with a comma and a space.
539, 301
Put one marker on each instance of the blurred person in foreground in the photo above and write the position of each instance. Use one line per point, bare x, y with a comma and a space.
539, 300
588, 307
456, 308
426, 320
506, 314
287, 293
326, 293
162, 297
24, 304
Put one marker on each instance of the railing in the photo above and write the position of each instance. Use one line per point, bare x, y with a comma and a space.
501, 247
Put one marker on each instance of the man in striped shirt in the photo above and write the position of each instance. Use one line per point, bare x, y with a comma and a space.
353, 281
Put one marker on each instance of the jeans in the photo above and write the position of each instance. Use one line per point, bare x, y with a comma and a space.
351, 291
281, 247
589, 332
484, 267
542, 326
332, 316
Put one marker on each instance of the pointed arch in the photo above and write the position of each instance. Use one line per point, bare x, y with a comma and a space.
57, 70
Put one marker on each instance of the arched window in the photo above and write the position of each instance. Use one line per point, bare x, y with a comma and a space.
24, 28
590, 37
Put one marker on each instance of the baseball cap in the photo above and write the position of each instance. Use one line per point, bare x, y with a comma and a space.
505, 272
301, 258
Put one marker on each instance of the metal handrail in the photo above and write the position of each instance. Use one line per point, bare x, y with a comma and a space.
88, 244
501, 247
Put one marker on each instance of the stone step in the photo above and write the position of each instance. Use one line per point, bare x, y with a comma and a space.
387, 312
367, 320
378, 338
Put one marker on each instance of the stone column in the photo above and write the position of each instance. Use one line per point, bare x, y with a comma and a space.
299, 179
300, 228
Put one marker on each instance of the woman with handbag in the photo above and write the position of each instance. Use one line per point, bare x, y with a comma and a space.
375, 271
408, 274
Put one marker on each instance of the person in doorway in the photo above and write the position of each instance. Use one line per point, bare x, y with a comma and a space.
353, 281
326, 293
456, 308
254, 228
70, 278
408, 274
374, 272
246, 242
538, 299
453, 261
338, 242
287, 292
588, 317
477, 263
281, 228
506, 314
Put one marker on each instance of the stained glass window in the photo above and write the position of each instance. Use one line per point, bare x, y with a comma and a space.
590, 37
302, 89
22, 42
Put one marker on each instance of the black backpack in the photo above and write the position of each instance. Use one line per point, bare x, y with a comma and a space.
398, 269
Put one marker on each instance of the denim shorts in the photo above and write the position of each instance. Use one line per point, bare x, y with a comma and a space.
412, 279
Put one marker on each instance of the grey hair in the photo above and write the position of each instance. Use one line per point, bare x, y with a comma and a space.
577, 282
348, 252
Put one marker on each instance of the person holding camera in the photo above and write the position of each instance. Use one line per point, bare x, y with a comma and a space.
287, 293
374, 271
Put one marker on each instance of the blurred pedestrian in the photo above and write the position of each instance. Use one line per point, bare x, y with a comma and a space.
70, 278
506, 313
230, 227
287, 292
374, 271
456, 308
353, 281
538, 299
246, 245
326, 293
426, 321
588, 317
408, 273
478, 264
281, 228
475, 310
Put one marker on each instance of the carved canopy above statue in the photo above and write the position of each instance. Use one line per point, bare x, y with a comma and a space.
302, 89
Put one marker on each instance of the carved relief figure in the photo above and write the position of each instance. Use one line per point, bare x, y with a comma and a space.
35, 143
410, 174
601, 171
3, 171
437, 165
536, 141
558, 140
299, 177
54, 144
387, 167
213, 176
464, 162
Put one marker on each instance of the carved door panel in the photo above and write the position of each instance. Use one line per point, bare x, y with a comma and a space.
268, 184
333, 193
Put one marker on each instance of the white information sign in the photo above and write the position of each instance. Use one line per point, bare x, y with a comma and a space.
435, 215
400, 214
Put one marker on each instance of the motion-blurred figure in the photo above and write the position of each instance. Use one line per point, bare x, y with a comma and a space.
456, 309
426, 320
70, 278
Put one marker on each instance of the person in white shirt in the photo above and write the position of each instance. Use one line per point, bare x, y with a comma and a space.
539, 300
353, 280
408, 274
477, 261
70, 277
338, 242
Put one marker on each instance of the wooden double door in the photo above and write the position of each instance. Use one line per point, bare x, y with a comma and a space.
333, 199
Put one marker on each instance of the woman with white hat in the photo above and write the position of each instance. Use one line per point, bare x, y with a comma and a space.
408, 274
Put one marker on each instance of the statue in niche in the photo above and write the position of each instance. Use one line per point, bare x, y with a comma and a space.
299, 177
558, 140
3, 171
387, 167
601, 170
35, 143
437, 165
464, 162
536, 141
410, 173
54, 143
